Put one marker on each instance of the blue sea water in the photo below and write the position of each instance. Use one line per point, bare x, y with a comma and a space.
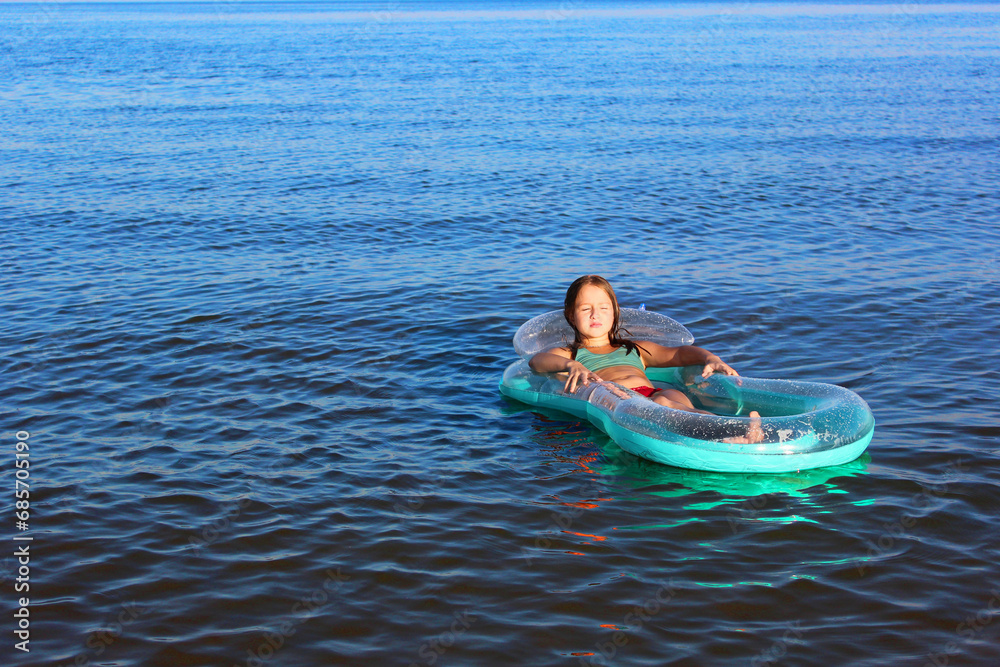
263, 263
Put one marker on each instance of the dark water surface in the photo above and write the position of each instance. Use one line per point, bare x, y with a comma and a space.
262, 266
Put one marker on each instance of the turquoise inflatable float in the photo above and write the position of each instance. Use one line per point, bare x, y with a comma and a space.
806, 424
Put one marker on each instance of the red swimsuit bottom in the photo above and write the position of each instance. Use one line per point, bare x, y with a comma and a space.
645, 391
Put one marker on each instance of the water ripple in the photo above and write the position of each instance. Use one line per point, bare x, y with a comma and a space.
265, 269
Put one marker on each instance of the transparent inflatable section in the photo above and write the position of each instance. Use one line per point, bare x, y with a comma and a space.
551, 330
797, 417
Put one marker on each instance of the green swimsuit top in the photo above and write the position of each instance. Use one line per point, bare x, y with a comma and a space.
597, 362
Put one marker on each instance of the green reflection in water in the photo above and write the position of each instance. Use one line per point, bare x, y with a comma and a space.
651, 477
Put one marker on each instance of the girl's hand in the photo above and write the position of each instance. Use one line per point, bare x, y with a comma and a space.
716, 365
578, 376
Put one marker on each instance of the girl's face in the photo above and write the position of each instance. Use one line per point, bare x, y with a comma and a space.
594, 314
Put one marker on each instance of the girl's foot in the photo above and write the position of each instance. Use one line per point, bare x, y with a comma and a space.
754, 434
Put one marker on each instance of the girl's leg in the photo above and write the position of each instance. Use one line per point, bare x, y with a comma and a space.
677, 400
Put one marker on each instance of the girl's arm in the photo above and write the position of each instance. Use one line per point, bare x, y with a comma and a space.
557, 360
685, 355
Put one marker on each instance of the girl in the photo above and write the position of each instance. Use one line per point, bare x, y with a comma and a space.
599, 354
